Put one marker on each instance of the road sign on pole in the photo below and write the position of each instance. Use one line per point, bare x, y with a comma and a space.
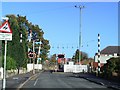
5, 35
6, 31
4, 71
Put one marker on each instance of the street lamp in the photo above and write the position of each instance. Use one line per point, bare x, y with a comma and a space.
80, 7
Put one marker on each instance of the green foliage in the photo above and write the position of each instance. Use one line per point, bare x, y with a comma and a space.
83, 56
16, 51
112, 65
10, 63
44, 49
53, 59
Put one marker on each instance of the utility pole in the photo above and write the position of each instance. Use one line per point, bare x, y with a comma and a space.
80, 32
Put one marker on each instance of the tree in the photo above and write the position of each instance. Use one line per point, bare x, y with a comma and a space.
44, 49
112, 65
10, 63
16, 50
53, 59
83, 56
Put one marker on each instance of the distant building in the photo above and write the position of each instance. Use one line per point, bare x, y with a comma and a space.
106, 54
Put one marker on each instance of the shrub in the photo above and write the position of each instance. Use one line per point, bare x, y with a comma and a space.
10, 63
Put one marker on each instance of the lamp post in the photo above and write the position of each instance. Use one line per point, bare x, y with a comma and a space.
80, 36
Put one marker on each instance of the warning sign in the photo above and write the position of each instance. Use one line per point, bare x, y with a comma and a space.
5, 27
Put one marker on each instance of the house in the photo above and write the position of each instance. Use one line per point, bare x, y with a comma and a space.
106, 54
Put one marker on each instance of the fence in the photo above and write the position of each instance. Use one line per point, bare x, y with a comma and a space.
36, 66
75, 68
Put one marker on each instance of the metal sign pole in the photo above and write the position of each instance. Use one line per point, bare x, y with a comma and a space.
33, 57
5, 36
4, 75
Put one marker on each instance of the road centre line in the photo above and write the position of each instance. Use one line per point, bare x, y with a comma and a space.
36, 82
21, 85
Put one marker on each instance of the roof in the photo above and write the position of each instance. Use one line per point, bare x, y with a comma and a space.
111, 50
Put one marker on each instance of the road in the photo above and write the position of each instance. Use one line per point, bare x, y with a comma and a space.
60, 80
0, 84
14, 81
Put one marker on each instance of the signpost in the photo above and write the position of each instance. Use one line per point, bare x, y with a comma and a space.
7, 36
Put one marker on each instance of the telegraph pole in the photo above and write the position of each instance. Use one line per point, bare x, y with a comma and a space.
80, 33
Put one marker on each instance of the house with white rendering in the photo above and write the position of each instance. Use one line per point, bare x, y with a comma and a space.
106, 54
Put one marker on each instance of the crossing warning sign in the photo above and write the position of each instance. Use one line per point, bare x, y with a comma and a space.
5, 27
6, 32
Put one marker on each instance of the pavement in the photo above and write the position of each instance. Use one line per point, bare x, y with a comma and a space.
101, 81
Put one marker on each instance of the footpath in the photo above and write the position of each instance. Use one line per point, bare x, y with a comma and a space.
101, 81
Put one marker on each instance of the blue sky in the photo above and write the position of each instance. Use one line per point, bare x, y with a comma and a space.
60, 23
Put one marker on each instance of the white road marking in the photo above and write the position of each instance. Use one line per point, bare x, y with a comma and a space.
36, 82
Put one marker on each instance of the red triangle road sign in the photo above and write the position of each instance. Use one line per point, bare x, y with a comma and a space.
5, 27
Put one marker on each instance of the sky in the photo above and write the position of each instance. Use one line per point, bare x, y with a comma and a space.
60, 22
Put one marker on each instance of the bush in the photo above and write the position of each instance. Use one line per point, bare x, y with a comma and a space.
10, 63
112, 65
